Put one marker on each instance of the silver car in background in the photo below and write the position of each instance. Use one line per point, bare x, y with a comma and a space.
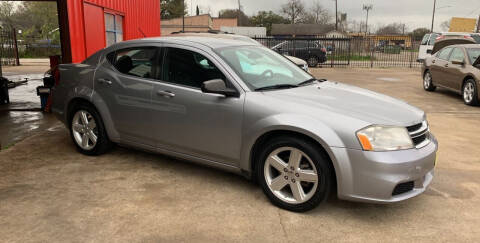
244, 108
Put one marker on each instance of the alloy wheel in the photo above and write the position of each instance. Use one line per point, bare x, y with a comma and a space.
291, 175
468, 92
84, 129
427, 80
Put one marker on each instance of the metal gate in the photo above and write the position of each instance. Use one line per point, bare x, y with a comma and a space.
8, 51
369, 52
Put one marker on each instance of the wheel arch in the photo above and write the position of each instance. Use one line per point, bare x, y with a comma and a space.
267, 136
468, 77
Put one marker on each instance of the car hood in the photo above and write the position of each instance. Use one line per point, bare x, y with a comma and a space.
368, 106
448, 42
297, 61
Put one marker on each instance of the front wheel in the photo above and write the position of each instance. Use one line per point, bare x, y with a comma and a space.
470, 93
88, 132
427, 82
294, 174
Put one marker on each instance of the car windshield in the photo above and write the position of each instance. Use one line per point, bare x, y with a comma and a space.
473, 54
260, 67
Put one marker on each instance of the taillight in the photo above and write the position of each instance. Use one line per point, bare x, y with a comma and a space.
440, 37
324, 50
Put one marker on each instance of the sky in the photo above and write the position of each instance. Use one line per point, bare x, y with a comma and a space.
412, 13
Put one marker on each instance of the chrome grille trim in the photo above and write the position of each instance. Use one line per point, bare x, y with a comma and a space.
421, 131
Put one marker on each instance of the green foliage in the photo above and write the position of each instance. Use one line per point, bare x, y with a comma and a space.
418, 34
266, 19
171, 9
243, 19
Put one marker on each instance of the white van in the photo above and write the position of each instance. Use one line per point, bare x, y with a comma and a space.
429, 40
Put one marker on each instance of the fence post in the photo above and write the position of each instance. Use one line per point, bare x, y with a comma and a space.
411, 54
15, 50
1, 73
372, 51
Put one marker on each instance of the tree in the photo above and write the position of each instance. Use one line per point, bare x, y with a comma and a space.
235, 13
172, 9
317, 15
417, 34
391, 29
293, 10
7, 11
266, 19
445, 25
198, 11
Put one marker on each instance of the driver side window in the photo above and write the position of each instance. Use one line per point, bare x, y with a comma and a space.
444, 53
188, 68
457, 55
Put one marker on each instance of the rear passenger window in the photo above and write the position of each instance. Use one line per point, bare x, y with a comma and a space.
138, 62
188, 68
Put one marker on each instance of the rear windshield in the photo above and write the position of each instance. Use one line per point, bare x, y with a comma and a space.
433, 38
476, 38
473, 54
425, 39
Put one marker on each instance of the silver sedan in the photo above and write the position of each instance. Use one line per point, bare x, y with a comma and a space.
243, 108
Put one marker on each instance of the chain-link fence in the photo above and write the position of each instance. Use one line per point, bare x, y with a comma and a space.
358, 51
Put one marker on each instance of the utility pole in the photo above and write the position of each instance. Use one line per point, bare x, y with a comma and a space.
238, 13
433, 15
336, 15
478, 24
367, 7
183, 16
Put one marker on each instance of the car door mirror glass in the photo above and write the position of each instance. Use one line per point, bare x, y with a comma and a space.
218, 86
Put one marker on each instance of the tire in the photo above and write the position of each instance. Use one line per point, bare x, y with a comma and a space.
279, 180
312, 61
428, 82
470, 92
79, 131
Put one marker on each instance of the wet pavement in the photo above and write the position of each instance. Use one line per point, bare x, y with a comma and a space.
23, 117
50, 192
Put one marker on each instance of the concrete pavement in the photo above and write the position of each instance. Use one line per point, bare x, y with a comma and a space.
49, 192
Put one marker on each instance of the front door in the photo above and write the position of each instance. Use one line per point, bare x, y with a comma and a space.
189, 121
125, 82
454, 72
440, 65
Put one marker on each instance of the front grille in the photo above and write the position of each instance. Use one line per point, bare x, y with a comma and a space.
403, 188
419, 134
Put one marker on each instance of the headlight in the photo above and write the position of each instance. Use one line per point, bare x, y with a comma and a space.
384, 138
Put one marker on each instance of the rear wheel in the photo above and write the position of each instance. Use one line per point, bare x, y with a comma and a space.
88, 132
427, 82
294, 174
470, 93
312, 61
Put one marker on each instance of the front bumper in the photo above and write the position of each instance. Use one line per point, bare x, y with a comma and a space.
372, 176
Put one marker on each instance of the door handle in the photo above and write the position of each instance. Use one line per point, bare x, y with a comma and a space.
446, 65
433, 61
104, 81
165, 93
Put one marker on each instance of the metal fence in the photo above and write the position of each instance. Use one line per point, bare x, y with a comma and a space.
7, 47
360, 51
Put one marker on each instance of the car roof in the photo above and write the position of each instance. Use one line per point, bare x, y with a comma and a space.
212, 42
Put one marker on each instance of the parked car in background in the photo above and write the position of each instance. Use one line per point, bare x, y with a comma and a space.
455, 65
428, 41
244, 108
310, 51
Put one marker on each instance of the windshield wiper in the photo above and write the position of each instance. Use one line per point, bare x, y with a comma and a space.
311, 81
277, 86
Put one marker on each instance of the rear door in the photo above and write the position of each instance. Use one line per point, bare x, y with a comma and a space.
454, 72
440, 65
125, 81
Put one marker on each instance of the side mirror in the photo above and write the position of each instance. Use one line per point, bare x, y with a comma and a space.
217, 86
429, 51
456, 62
